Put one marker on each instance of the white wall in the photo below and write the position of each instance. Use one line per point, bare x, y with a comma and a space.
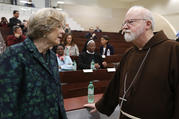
167, 8
108, 14
37, 3
7, 11
109, 19
26, 12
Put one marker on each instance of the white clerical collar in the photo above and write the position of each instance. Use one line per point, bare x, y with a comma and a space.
90, 52
140, 48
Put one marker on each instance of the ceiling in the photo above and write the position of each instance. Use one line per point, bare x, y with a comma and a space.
103, 3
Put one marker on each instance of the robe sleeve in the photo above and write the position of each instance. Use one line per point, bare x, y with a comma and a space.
109, 101
99, 60
82, 65
174, 81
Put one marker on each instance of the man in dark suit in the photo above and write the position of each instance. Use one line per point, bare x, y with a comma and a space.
97, 29
91, 34
15, 21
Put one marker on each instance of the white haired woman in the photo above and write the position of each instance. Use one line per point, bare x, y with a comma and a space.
30, 86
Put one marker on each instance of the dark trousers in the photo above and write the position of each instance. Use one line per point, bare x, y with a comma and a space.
14, 2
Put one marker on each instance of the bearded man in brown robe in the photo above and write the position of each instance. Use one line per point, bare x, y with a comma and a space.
146, 85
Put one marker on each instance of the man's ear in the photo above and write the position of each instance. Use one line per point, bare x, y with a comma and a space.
148, 24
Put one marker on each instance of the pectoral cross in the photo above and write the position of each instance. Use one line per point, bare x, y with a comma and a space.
121, 98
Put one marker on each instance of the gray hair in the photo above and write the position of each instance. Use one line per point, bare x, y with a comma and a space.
147, 14
15, 28
43, 21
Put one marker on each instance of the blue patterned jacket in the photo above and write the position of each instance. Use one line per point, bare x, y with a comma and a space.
29, 85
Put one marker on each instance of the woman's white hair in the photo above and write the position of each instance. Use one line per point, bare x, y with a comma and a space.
43, 21
147, 14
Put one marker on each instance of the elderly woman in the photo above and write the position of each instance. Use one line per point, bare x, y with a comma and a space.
86, 58
29, 77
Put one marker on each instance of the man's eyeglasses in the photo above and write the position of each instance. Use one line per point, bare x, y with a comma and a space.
131, 21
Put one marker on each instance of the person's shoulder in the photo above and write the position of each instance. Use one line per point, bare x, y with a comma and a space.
23, 37
52, 54
19, 47
83, 54
97, 54
130, 49
88, 34
75, 45
68, 57
11, 18
172, 45
101, 47
127, 52
10, 36
109, 45
171, 42
15, 50
19, 20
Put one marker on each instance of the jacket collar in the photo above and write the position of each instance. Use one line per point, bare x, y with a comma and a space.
34, 51
92, 53
158, 38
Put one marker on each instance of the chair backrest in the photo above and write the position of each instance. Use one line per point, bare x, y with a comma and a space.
75, 83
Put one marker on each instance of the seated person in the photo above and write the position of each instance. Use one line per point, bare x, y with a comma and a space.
97, 29
67, 28
71, 49
29, 4
85, 58
64, 62
17, 36
106, 49
177, 35
85, 45
91, 34
24, 29
3, 22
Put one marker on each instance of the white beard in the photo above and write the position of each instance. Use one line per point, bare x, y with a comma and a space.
129, 36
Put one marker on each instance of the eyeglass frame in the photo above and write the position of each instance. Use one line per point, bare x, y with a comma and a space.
131, 21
